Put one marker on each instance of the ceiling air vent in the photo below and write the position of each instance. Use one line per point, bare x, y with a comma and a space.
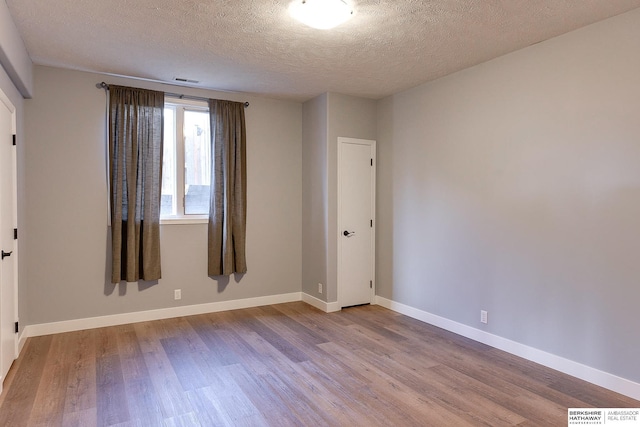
183, 80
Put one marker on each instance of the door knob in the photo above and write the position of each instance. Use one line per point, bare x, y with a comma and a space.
6, 254
348, 233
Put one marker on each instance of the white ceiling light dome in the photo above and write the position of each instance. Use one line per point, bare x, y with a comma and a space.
321, 14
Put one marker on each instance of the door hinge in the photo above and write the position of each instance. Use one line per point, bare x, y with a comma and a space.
371, 284
371, 162
17, 329
14, 139
371, 224
15, 234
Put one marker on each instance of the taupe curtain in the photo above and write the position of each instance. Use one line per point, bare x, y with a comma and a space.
135, 150
228, 210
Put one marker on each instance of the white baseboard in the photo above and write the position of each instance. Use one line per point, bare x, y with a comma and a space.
327, 307
575, 369
22, 340
143, 316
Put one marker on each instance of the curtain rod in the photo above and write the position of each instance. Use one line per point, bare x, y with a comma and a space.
105, 86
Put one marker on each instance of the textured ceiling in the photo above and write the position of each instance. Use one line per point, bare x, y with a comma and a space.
254, 46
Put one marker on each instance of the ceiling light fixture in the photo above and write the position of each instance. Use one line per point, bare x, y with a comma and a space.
321, 14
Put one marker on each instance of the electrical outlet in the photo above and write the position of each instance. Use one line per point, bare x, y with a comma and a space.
319, 288
177, 294
484, 316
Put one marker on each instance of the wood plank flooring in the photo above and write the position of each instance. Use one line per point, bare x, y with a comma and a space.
285, 365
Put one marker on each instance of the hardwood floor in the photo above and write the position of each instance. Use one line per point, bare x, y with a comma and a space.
281, 365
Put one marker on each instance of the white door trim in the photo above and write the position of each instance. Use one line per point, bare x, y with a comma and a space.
16, 351
372, 144
14, 247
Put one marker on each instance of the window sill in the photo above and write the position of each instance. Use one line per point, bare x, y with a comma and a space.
197, 219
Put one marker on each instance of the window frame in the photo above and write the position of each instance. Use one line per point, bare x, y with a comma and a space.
179, 163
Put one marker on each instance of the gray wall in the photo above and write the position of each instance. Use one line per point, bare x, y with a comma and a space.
14, 57
326, 118
314, 196
514, 187
66, 207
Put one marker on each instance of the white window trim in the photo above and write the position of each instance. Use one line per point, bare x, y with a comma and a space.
193, 105
199, 219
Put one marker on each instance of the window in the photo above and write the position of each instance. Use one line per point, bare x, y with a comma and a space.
186, 168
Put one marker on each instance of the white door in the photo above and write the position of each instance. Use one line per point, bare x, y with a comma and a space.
356, 208
7, 242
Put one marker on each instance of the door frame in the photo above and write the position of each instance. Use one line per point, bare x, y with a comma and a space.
372, 144
4, 99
